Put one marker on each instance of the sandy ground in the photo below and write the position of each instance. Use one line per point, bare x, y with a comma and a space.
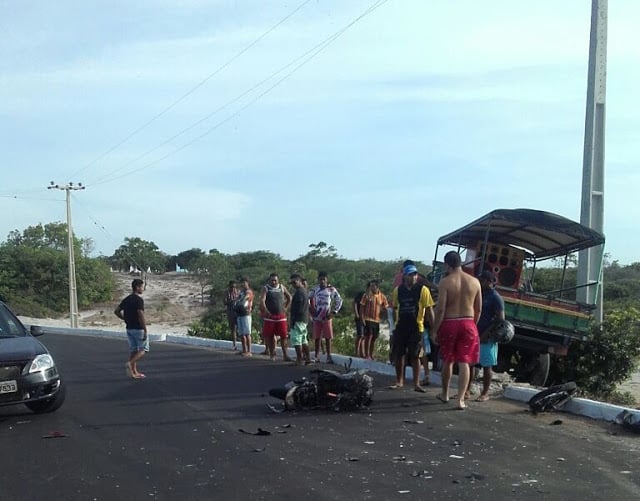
172, 302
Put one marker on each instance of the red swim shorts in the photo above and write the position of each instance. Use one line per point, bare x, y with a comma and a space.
459, 341
323, 329
276, 325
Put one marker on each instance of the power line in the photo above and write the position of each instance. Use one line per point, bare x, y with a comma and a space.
304, 58
190, 91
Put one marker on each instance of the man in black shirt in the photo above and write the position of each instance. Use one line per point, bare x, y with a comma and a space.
131, 310
299, 320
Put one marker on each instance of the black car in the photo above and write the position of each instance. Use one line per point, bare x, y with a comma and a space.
28, 374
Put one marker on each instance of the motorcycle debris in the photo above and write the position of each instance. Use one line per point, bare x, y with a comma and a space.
55, 434
260, 432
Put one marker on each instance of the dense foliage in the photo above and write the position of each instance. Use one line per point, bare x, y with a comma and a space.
34, 272
608, 358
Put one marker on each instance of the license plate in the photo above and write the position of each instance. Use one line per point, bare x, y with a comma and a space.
8, 386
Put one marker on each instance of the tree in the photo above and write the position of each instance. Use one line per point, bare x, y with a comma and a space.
49, 236
141, 254
187, 258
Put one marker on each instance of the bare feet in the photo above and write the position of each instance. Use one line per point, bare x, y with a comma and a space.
442, 398
482, 398
461, 405
419, 389
396, 386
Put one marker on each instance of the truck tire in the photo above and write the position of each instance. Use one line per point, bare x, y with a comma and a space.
540, 372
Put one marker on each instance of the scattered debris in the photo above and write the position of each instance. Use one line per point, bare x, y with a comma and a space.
260, 432
55, 434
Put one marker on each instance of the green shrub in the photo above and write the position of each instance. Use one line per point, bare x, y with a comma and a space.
214, 325
608, 358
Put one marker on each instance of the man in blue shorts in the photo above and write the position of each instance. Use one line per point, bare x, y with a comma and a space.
492, 311
131, 310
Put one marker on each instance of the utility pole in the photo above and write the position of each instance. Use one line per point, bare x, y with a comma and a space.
592, 205
73, 290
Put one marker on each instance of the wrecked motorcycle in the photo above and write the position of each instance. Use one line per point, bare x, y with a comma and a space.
352, 390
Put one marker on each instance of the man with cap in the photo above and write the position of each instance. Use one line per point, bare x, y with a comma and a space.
413, 305
492, 310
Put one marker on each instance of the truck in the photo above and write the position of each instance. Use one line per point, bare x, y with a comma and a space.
514, 244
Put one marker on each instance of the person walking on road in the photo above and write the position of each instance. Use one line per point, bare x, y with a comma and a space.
457, 313
131, 310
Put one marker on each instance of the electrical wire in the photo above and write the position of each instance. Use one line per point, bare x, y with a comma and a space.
189, 92
304, 58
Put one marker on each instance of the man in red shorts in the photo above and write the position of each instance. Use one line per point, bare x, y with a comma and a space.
457, 313
274, 301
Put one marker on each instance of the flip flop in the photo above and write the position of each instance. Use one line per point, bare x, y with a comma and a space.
139, 375
419, 389
441, 398
395, 387
482, 398
461, 406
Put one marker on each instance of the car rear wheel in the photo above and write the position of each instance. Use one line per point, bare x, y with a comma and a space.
49, 404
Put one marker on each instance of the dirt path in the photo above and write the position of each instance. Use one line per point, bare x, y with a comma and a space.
172, 302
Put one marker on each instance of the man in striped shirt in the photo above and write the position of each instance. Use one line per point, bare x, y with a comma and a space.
371, 305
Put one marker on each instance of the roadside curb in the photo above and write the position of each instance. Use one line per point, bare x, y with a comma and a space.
578, 406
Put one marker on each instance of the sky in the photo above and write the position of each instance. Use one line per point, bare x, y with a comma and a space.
245, 125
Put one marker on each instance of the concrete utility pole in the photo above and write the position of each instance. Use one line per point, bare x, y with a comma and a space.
73, 290
592, 206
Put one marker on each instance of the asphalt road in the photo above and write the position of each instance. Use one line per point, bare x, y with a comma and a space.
175, 435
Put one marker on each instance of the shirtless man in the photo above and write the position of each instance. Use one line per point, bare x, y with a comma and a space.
457, 313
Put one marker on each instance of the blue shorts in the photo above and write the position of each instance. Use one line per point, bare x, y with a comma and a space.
426, 344
488, 354
135, 340
244, 325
